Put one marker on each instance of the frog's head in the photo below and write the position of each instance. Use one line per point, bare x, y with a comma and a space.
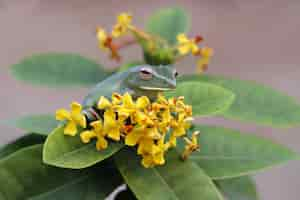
152, 78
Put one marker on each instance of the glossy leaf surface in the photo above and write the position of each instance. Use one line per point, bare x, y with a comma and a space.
24, 141
174, 180
40, 124
255, 102
227, 153
59, 69
242, 188
69, 152
206, 99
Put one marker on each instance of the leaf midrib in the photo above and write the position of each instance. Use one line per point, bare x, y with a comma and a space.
165, 182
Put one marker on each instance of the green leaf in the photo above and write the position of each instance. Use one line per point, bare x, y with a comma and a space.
24, 176
20, 143
242, 188
59, 69
255, 102
226, 153
175, 180
206, 99
40, 124
77, 190
168, 23
95, 186
69, 152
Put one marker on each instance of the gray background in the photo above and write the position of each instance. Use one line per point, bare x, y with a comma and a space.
253, 39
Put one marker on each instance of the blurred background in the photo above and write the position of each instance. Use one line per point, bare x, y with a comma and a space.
253, 40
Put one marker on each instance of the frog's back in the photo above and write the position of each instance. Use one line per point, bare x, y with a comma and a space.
105, 88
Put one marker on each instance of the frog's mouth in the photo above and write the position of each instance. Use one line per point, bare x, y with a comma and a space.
156, 89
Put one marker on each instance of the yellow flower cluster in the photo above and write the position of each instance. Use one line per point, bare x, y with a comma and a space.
152, 127
186, 46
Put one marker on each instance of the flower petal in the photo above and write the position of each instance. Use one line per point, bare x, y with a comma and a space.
147, 161
142, 102
116, 98
181, 38
97, 125
127, 101
145, 146
103, 103
109, 119
101, 35
133, 137
114, 134
101, 143
62, 114
124, 19
86, 136
75, 108
183, 49
80, 120
70, 129
159, 158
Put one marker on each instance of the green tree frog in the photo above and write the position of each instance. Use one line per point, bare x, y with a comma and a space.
142, 80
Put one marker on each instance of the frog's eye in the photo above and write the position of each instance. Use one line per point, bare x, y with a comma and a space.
145, 74
176, 74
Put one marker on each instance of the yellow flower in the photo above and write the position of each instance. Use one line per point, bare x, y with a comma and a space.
186, 45
102, 38
191, 145
123, 23
133, 137
203, 62
73, 118
103, 103
105, 42
180, 125
173, 140
145, 138
96, 132
142, 102
142, 134
145, 146
156, 157
147, 161
160, 149
128, 106
112, 126
127, 100
116, 98
87, 135
163, 107
134, 109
